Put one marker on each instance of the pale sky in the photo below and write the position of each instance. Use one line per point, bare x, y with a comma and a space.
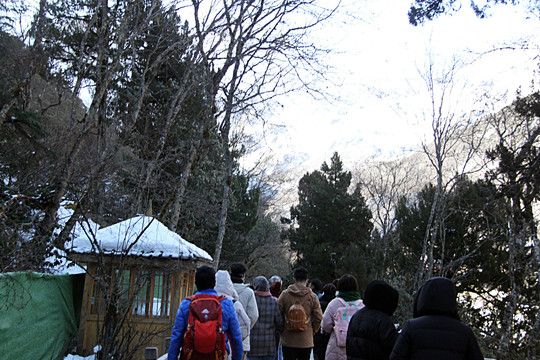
378, 52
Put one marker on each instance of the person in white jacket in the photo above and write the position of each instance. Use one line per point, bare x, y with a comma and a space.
224, 286
246, 297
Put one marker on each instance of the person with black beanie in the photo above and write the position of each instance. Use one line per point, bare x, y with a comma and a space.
320, 339
246, 297
371, 334
205, 280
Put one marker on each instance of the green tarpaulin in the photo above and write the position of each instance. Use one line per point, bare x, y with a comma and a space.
38, 316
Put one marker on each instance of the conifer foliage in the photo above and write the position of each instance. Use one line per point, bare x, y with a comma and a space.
330, 227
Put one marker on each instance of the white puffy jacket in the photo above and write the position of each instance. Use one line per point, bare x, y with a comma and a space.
224, 286
246, 297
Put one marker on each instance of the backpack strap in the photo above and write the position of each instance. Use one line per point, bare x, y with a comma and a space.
297, 301
346, 305
220, 298
353, 303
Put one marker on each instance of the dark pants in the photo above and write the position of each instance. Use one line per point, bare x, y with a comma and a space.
320, 341
290, 353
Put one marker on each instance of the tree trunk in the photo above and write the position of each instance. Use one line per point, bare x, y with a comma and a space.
426, 259
172, 114
63, 175
225, 130
177, 205
223, 216
507, 320
533, 341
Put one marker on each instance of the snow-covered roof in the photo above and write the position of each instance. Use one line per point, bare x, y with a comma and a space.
139, 236
86, 226
62, 265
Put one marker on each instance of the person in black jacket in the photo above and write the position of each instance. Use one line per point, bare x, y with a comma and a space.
371, 334
435, 331
320, 339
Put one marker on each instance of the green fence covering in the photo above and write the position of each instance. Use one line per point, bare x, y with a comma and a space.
38, 318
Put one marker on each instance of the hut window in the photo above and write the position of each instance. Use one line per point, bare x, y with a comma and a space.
97, 300
140, 305
186, 286
161, 299
154, 298
121, 280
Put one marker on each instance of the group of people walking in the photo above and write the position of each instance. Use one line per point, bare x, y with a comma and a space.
262, 322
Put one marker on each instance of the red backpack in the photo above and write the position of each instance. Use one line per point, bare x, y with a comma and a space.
204, 338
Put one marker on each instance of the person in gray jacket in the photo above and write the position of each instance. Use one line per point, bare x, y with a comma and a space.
263, 335
246, 297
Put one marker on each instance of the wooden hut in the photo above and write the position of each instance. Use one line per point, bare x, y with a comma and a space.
137, 270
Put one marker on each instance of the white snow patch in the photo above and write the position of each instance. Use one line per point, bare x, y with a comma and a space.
78, 357
63, 265
140, 236
85, 227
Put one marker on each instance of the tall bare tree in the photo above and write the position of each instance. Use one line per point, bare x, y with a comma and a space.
456, 140
384, 183
252, 50
108, 36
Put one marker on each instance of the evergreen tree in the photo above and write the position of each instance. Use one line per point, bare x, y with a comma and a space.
516, 179
28, 140
470, 249
242, 218
329, 228
422, 10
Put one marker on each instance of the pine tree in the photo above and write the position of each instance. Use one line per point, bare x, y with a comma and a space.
329, 228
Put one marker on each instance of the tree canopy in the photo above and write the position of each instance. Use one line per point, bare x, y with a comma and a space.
422, 10
330, 227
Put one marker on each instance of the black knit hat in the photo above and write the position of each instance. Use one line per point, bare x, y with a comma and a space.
381, 296
205, 278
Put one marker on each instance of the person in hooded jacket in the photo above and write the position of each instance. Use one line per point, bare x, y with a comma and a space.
371, 334
263, 335
320, 339
435, 332
347, 295
246, 297
224, 286
297, 344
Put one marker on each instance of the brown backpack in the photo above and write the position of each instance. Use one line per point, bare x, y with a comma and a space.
296, 319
